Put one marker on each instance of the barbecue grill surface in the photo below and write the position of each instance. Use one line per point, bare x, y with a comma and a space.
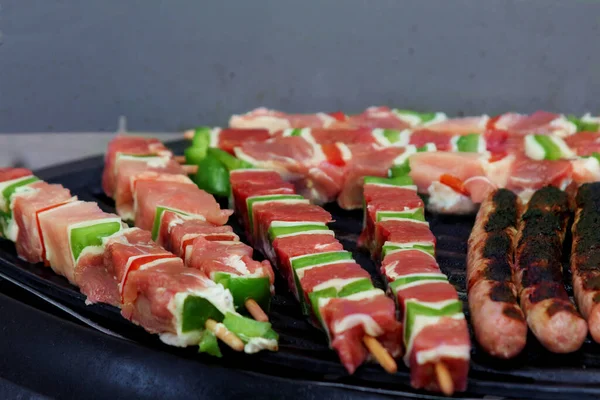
304, 354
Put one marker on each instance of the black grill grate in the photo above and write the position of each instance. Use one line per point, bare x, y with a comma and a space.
304, 354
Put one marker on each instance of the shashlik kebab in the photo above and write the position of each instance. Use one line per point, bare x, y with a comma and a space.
584, 255
391, 118
122, 266
435, 336
333, 290
158, 196
328, 164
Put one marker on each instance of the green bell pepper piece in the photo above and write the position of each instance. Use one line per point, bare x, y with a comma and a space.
310, 260
428, 248
244, 288
91, 235
196, 311
320, 258
354, 287
160, 210
417, 215
414, 278
403, 180
392, 135
415, 309
399, 170
404, 168
276, 231
209, 344
294, 132
247, 328
250, 201
8, 191
231, 162
468, 143
194, 155
201, 137
425, 148
551, 149
583, 126
213, 176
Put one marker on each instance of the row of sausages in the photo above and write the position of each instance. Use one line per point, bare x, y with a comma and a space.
515, 270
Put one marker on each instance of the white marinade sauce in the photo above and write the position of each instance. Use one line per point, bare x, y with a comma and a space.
257, 344
371, 327
562, 127
450, 351
214, 293
11, 230
443, 198
337, 283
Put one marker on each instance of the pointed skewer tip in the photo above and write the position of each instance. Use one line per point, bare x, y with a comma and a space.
256, 311
444, 379
189, 134
380, 354
225, 335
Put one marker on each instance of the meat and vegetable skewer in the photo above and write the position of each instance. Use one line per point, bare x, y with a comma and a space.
332, 289
436, 336
123, 267
155, 192
471, 157
552, 317
498, 321
151, 188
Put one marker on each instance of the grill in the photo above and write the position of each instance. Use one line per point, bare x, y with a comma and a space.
304, 354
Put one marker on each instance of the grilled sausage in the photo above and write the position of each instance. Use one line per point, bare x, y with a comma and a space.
498, 321
549, 312
585, 255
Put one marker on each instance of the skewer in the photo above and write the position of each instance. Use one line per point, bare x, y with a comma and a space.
444, 379
225, 335
190, 169
252, 306
189, 134
256, 311
380, 354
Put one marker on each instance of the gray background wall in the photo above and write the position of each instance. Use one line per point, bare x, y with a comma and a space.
76, 65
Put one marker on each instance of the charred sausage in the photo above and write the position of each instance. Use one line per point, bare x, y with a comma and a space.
498, 321
585, 255
552, 317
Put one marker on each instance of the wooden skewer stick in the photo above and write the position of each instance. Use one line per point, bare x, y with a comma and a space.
380, 354
225, 335
179, 159
190, 169
189, 134
444, 379
255, 310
